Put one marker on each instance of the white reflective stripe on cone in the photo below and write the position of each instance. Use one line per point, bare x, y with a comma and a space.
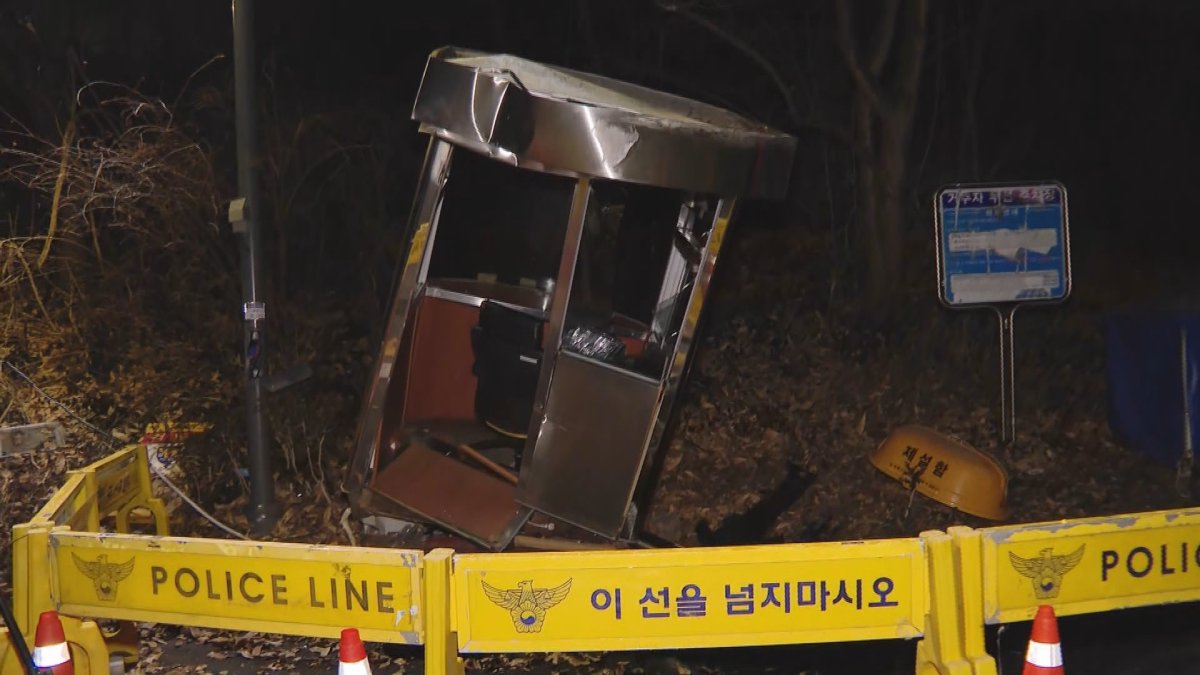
1044, 655
51, 655
354, 668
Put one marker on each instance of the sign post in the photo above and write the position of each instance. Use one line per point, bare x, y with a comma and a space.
1008, 380
1003, 245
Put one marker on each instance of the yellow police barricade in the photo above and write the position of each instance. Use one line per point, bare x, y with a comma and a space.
294, 589
1077, 566
744, 596
713, 597
73, 505
62, 561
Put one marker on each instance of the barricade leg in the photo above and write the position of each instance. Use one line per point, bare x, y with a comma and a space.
968, 551
941, 651
9, 661
441, 643
123, 641
31, 592
157, 511
31, 574
149, 501
32, 596
89, 651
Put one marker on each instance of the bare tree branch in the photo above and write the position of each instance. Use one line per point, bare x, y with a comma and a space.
744, 47
885, 34
908, 60
845, 32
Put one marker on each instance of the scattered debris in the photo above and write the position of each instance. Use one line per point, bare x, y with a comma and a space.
386, 525
164, 440
945, 469
27, 438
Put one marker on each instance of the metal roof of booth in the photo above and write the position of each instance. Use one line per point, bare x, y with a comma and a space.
534, 116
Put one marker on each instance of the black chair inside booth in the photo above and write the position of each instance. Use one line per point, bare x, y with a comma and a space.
507, 346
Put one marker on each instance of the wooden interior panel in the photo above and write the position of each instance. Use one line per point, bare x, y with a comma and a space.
446, 491
440, 382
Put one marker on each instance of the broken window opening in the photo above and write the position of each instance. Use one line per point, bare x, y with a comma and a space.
638, 257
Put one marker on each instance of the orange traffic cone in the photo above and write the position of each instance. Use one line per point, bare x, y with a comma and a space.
1044, 656
352, 654
50, 650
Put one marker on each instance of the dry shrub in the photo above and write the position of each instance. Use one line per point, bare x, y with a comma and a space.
118, 271
119, 295
130, 175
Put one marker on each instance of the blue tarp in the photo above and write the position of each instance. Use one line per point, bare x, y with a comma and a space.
1147, 366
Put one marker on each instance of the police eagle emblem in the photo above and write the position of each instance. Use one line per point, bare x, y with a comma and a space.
527, 605
1046, 570
104, 575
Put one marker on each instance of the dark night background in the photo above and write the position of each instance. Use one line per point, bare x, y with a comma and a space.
1097, 94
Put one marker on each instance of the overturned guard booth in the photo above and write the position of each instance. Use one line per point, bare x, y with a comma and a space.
562, 240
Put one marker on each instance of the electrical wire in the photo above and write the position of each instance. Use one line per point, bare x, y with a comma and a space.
17, 639
103, 434
113, 441
188, 500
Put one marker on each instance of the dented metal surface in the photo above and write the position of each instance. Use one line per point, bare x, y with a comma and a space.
563, 121
591, 444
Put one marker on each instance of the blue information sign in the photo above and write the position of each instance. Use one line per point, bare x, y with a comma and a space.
1002, 243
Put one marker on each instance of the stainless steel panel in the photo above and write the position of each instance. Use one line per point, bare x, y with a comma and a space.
681, 361
562, 121
589, 447
558, 310
422, 231
677, 273
531, 300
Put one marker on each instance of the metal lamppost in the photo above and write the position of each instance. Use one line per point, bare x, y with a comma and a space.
245, 214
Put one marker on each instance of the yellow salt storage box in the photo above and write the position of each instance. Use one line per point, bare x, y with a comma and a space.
945, 469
